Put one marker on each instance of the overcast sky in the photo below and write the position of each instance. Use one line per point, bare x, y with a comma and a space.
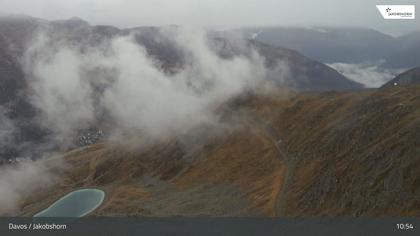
218, 13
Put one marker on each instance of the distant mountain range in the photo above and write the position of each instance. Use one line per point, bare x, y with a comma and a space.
346, 45
306, 74
17, 33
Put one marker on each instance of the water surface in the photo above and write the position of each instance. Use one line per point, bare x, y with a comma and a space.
75, 204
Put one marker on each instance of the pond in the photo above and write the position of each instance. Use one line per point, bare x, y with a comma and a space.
75, 204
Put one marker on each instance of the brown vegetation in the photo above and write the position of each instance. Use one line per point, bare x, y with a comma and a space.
351, 153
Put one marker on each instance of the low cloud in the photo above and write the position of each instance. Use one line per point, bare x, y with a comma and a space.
20, 180
73, 87
371, 75
7, 129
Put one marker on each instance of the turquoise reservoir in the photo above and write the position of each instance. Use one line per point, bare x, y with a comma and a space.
75, 204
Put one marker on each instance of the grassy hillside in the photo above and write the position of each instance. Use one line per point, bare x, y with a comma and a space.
311, 154
356, 153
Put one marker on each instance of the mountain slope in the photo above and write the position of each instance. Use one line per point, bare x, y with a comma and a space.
340, 154
357, 153
407, 53
304, 74
216, 178
286, 67
410, 77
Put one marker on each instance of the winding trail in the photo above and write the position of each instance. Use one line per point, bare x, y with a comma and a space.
290, 161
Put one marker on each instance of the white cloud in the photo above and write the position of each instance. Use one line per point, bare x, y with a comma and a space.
7, 129
140, 96
20, 180
371, 75
58, 89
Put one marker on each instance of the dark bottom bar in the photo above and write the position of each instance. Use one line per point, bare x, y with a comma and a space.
208, 226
